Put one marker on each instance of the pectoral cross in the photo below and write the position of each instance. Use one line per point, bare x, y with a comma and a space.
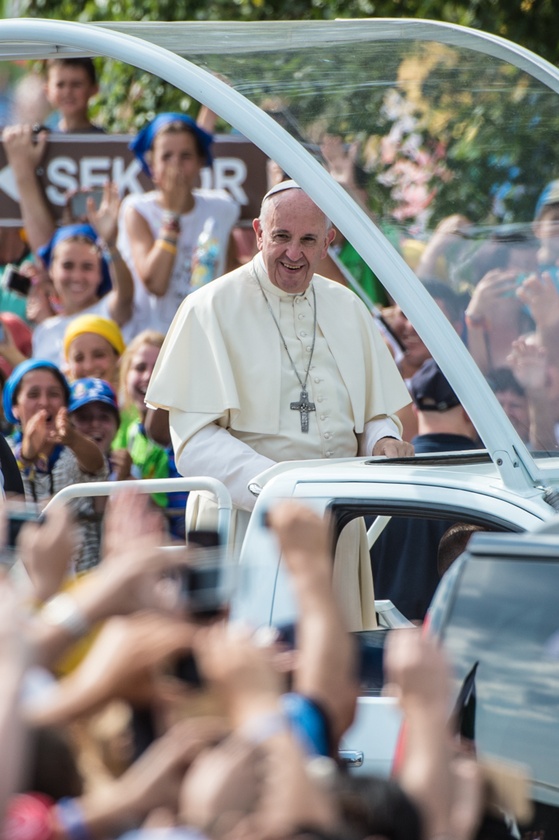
303, 407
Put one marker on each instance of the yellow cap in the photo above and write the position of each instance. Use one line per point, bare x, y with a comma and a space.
94, 324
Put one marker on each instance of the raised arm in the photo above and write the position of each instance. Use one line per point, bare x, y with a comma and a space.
89, 456
105, 222
326, 669
25, 151
154, 259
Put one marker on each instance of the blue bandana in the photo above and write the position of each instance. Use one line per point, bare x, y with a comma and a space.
68, 232
143, 141
13, 381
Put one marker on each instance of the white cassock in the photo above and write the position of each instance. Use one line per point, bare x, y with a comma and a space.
228, 384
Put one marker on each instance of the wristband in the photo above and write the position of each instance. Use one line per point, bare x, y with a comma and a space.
70, 817
165, 245
62, 611
110, 252
171, 220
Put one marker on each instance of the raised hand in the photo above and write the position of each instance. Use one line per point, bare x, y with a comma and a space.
35, 435
46, 550
528, 361
104, 220
243, 670
121, 463
131, 518
539, 294
121, 664
340, 159
23, 147
63, 431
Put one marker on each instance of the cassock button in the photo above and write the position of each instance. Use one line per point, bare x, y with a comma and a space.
302, 334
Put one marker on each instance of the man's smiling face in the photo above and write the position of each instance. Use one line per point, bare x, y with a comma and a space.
293, 236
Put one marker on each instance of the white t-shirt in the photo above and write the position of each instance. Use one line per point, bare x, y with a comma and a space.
208, 204
48, 337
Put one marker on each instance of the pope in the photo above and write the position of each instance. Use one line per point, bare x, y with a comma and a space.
273, 362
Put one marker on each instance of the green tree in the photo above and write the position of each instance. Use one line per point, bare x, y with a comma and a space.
531, 23
479, 136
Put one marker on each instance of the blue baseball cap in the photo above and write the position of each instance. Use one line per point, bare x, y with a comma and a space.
90, 390
14, 380
143, 141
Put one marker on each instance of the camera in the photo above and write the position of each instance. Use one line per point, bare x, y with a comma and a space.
15, 281
37, 127
205, 591
78, 202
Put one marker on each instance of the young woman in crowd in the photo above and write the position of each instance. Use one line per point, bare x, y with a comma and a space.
164, 233
51, 453
93, 346
148, 458
88, 275
94, 412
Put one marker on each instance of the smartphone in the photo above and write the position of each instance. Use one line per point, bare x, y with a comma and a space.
17, 514
2, 333
518, 281
15, 281
202, 593
78, 202
202, 580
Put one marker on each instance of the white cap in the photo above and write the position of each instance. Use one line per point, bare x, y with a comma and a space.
281, 187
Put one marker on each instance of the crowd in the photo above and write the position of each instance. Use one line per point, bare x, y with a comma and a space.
78, 350
500, 291
92, 363
121, 745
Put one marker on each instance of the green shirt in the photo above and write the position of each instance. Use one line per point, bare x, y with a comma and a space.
150, 460
361, 272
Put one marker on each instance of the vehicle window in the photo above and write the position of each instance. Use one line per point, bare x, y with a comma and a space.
403, 563
504, 616
449, 147
446, 137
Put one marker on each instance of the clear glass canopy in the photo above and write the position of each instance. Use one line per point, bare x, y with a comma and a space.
445, 138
